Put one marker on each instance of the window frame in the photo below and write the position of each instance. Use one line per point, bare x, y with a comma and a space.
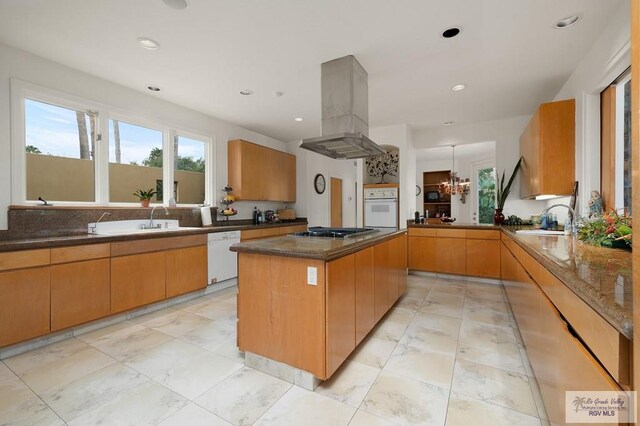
619, 139
21, 90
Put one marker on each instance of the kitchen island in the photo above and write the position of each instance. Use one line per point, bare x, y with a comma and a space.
307, 302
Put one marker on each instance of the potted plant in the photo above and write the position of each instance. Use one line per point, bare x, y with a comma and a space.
145, 196
503, 193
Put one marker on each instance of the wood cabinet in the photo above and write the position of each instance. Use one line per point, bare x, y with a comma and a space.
137, 280
365, 290
402, 281
314, 327
433, 201
394, 271
559, 359
483, 253
341, 311
473, 252
80, 285
547, 146
381, 274
25, 292
186, 270
258, 173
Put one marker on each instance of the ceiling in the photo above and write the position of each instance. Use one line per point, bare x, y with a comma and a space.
509, 54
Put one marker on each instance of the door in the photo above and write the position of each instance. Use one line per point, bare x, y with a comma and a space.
336, 203
484, 192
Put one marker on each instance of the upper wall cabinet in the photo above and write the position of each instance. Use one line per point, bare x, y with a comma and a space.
258, 173
548, 148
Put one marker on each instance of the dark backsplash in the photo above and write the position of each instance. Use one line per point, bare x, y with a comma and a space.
26, 222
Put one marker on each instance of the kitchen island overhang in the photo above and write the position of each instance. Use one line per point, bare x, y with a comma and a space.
307, 302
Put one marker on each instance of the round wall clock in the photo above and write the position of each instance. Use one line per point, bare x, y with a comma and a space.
418, 190
319, 183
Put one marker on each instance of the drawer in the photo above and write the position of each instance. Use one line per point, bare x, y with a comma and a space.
156, 244
422, 232
483, 234
610, 347
451, 233
79, 253
24, 259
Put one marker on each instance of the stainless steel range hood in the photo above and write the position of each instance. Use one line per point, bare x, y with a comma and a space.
345, 112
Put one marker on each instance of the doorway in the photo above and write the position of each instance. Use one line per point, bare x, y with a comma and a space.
484, 192
336, 203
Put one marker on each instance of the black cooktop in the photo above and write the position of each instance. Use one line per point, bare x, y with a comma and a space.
321, 231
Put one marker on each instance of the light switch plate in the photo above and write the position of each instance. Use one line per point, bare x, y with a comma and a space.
312, 275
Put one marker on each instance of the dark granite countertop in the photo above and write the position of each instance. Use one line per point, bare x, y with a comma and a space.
453, 225
600, 276
36, 242
314, 247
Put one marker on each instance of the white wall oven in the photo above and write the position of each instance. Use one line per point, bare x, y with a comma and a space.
381, 207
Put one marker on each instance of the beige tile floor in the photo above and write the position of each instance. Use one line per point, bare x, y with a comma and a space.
446, 354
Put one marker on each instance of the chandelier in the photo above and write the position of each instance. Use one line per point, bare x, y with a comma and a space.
454, 185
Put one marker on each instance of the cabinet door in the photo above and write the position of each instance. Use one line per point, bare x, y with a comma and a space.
381, 279
402, 274
422, 254
365, 317
341, 311
186, 270
451, 255
394, 270
483, 258
80, 292
137, 280
24, 304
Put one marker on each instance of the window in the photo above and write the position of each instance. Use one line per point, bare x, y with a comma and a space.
189, 162
135, 160
59, 152
486, 193
71, 151
615, 156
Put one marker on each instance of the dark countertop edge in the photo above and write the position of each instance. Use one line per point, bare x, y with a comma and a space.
613, 314
83, 239
328, 255
454, 225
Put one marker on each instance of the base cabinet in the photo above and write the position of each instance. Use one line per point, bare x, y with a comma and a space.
24, 304
186, 270
365, 316
422, 253
381, 279
559, 360
137, 280
80, 292
341, 311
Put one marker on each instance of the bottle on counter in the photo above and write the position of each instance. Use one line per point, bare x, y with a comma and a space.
416, 217
260, 217
255, 215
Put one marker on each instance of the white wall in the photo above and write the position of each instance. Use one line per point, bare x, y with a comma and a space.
506, 135
401, 137
42, 72
317, 207
606, 60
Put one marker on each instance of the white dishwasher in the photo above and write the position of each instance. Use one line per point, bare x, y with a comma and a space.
223, 263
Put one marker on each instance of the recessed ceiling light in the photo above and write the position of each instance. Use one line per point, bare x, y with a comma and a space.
176, 4
451, 32
299, 119
278, 94
153, 88
568, 21
458, 87
148, 43
246, 92
448, 123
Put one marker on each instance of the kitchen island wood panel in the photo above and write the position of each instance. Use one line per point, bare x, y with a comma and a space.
340, 311
314, 325
280, 316
365, 315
